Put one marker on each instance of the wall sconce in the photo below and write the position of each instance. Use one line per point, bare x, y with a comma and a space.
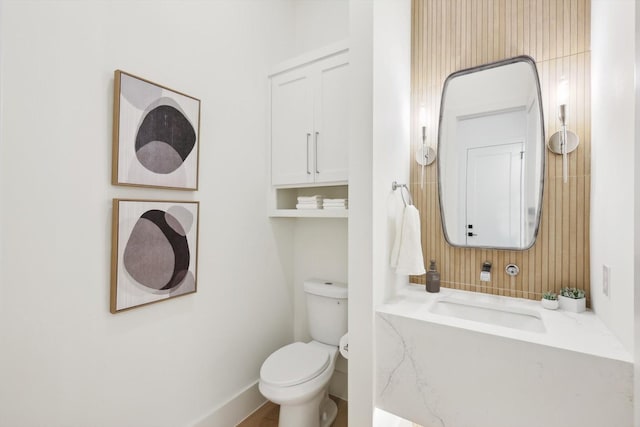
425, 155
564, 141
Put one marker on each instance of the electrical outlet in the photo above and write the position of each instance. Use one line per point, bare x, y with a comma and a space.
606, 280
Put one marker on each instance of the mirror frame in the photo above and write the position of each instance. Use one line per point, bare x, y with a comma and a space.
522, 58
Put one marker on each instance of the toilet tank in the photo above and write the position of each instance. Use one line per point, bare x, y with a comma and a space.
326, 310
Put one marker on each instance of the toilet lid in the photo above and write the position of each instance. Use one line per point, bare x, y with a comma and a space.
294, 364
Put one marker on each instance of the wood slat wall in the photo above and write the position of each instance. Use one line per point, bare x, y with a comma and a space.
450, 35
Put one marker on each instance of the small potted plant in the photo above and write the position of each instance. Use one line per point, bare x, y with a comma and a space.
549, 300
572, 299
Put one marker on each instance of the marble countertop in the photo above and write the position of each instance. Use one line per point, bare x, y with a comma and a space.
582, 332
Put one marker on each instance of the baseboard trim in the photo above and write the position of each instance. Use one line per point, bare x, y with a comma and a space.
236, 409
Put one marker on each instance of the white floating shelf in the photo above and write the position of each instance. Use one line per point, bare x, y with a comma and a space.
282, 201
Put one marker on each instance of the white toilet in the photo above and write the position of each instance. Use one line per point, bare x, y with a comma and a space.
297, 375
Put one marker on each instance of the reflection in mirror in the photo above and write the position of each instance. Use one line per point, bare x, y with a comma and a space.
491, 155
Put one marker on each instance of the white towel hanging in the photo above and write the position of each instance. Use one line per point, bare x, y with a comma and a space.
410, 259
395, 250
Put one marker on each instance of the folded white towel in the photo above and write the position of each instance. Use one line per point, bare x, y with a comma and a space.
335, 200
315, 198
308, 206
410, 258
334, 207
311, 203
335, 204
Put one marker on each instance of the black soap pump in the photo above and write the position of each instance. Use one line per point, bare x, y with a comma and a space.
433, 278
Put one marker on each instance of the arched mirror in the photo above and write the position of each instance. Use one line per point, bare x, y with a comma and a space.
491, 155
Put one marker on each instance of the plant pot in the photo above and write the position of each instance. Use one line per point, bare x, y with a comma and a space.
549, 304
572, 304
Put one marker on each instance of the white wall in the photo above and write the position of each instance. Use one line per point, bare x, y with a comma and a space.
2, 297
65, 360
391, 133
319, 23
612, 164
379, 150
636, 272
360, 218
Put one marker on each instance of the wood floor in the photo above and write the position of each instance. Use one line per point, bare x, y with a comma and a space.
267, 415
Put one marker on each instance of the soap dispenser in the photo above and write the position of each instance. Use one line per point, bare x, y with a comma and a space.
433, 278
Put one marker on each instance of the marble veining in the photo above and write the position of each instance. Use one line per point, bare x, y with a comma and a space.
440, 371
421, 384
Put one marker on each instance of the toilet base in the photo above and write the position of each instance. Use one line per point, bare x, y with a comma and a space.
319, 412
328, 412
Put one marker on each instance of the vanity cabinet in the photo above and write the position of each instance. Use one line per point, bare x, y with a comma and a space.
309, 121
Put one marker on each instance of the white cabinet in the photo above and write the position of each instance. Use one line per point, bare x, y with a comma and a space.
309, 121
292, 127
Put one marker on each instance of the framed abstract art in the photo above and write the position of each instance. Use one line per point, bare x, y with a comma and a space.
154, 251
155, 135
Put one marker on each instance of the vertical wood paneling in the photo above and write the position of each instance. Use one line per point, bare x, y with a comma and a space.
450, 35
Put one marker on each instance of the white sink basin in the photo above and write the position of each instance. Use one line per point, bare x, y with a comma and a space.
510, 317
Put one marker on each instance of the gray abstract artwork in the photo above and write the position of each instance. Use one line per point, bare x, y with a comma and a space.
156, 136
157, 251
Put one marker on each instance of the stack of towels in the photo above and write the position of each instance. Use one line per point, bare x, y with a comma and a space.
309, 202
335, 204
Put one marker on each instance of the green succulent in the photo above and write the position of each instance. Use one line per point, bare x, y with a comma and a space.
550, 296
574, 293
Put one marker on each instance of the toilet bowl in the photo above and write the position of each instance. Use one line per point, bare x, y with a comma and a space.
297, 375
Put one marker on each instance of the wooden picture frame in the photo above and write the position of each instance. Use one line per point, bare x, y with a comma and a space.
154, 253
156, 135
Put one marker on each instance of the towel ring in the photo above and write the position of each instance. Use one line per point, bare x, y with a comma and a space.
395, 186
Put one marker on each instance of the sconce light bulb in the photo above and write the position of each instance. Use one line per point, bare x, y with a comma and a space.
563, 91
423, 116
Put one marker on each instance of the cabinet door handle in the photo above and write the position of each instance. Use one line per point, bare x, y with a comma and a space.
316, 148
308, 136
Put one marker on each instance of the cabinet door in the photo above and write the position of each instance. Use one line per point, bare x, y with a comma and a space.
292, 128
331, 120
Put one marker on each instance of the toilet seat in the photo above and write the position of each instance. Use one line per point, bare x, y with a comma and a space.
294, 364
